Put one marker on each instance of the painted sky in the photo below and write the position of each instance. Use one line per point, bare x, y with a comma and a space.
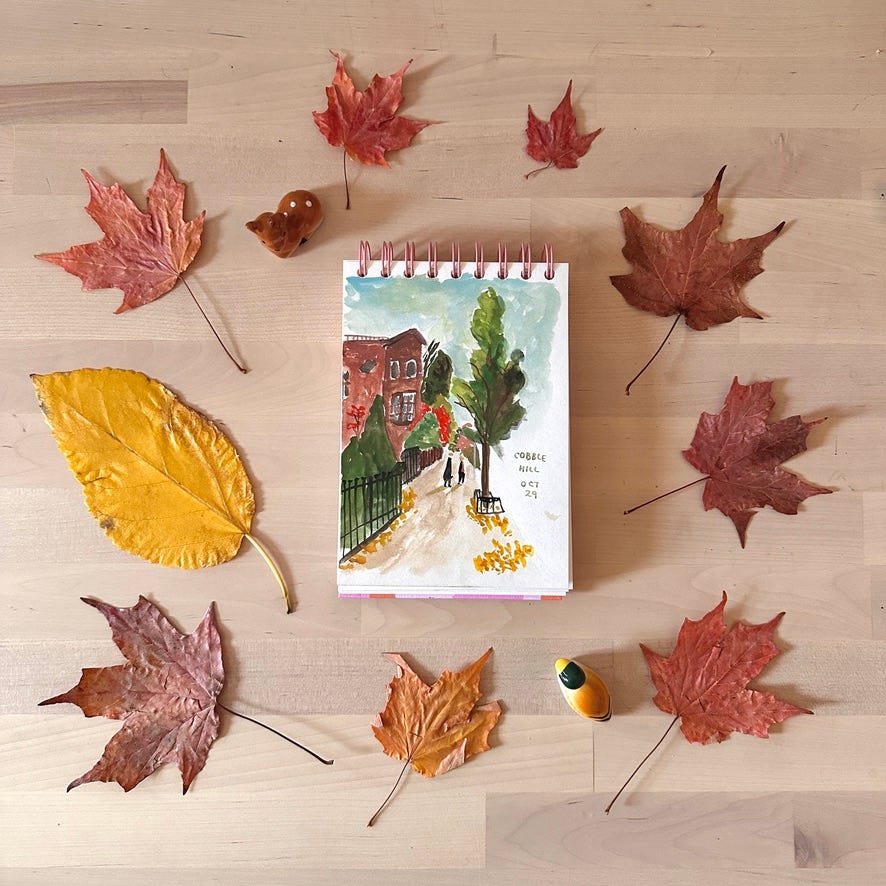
441, 308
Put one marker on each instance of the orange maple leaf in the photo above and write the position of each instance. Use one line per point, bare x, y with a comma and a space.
142, 253
434, 728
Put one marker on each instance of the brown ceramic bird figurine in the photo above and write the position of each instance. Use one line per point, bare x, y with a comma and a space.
298, 215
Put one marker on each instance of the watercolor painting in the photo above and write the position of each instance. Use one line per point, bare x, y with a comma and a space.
454, 435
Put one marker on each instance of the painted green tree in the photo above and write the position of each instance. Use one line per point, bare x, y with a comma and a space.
490, 396
426, 434
437, 374
370, 453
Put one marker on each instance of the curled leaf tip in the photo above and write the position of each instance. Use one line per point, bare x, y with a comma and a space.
719, 177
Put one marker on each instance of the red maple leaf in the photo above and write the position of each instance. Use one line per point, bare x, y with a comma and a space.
690, 272
142, 253
741, 451
166, 693
557, 142
703, 681
366, 124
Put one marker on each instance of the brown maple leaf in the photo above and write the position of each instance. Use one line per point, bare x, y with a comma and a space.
142, 253
690, 272
741, 453
703, 682
366, 124
166, 693
434, 728
557, 142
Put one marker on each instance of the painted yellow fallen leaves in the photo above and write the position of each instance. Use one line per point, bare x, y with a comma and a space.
162, 480
434, 728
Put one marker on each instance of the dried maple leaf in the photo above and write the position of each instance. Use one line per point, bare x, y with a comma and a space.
557, 142
166, 692
690, 272
366, 124
741, 452
143, 254
703, 682
434, 728
163, 482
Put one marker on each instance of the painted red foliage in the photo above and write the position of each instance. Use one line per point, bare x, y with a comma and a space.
142, 253
557, 142
166, 694
690, 272
444, 420
445, 423
366, 124
704, 680
741, 451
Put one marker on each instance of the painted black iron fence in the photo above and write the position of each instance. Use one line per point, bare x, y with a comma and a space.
368, 506
416, 460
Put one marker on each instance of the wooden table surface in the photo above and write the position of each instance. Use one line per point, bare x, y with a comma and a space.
792, 96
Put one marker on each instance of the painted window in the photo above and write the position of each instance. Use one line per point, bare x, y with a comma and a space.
408, 411
403, 407
395, 369
411, 369
345, 384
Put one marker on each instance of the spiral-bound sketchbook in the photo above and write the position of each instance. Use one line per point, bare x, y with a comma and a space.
454, 430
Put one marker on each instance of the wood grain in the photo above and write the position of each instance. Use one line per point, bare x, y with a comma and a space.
792, 97
117, 101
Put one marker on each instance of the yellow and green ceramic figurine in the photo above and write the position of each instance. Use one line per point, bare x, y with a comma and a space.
583, 689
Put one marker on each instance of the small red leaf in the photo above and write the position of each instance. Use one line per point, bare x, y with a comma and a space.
557, 142
366, 123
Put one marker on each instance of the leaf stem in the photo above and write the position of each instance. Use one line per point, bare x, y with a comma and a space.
666, 494
344, 166
233, 359
271, 729
273, 567
612, 801
387, 799
649, 361
540, 169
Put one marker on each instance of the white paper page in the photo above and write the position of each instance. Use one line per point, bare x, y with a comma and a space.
424, 535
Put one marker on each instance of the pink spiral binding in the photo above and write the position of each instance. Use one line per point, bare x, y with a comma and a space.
364, 256
526, 259
432, 258
456, 260
549, 261
387, 257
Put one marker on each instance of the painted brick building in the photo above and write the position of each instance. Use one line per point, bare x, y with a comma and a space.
390, 367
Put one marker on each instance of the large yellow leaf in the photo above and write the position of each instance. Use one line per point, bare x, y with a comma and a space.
163, 481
